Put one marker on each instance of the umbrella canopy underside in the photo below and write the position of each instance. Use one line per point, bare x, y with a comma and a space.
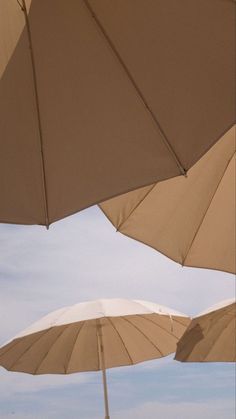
98, 98
210, 337
66, 346
191, 220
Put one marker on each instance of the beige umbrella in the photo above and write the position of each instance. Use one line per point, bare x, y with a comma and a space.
211, 336
94, 336
191, 220
100, 97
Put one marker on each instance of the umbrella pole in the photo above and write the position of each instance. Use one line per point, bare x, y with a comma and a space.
105, 393
102, 363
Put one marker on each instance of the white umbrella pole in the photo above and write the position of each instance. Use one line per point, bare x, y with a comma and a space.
102, 363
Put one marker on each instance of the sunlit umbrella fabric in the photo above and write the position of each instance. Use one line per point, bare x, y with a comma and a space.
98, 98
191, 220
211, 336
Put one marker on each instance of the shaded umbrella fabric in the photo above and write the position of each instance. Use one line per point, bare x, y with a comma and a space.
191, 220
211, 336
66, 340
98, 98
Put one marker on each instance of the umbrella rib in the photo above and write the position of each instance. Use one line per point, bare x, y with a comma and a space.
156, 324
205, 213
44, 357
73, 346
140, 331
36, 341
42, 159
136, 206
138, 91
122, 341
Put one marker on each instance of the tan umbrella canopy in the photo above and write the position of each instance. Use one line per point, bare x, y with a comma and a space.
94, 336
211, 336
98, 98
191, 220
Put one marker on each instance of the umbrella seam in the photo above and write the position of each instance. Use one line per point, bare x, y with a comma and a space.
9, 348
139, 93
69, 360
45, 356
36, 95
36, 341
135, 207
206, 211
156, 324
121, 339
140, 331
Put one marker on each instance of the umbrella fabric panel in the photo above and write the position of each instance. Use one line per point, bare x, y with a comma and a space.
96, 135
210, 338
191, 220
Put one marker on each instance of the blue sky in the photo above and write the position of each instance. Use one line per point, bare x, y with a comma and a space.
83, 258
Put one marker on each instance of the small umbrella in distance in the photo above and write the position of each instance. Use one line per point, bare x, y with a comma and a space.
211, 336
191, 220
100, 97
93, 336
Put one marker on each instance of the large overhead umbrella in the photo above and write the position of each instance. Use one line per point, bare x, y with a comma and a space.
191, 220
211, 336
94, 336
98, 98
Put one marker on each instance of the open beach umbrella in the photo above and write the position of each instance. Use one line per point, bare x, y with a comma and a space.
94, 336
100, 97
191, 220
211, 336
